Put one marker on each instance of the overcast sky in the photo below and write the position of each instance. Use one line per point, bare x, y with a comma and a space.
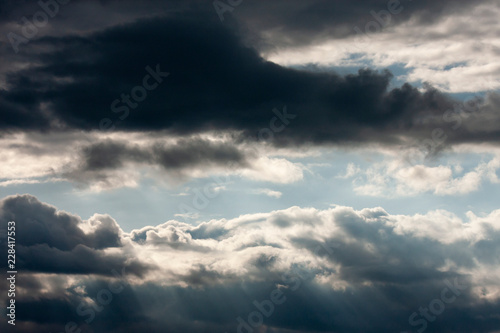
251, 166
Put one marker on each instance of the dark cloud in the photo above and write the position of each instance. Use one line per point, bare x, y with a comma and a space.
53, 312
43, 224
214, 83
80, 260
298, 23
188, 153
52, 241
268, 24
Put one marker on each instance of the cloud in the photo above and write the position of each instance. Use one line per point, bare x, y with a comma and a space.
28, 181
396, 177
335, 262
294, 23
351, 171
113, 163
276, 170
104, 63
52, 241
269, 192
319, 18
230, 88
103, 161
449, 53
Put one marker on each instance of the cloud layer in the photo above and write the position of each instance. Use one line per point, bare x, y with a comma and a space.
338, 270
229, 88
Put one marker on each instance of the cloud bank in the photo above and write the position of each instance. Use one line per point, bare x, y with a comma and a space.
335, 270
230, 88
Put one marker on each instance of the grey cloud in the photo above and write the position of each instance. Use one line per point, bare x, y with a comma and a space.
183, 154
80, 260
49, 240
43, 224
201, 276
291, 22
298, 23
103, 159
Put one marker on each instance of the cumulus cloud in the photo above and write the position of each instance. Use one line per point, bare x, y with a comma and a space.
396, 176
337, 256
54, 241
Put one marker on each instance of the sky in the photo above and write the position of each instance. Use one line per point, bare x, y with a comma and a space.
251, 166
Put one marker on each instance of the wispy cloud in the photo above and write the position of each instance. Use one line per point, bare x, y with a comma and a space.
268, 192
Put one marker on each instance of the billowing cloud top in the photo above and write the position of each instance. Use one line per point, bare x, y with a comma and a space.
325, 264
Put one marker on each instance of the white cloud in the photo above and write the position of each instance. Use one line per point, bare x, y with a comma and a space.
395, 177
268, 192
274, 170
29, 181
351, 171
191, 216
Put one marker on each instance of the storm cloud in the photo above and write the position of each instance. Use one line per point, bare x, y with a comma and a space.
227, 86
